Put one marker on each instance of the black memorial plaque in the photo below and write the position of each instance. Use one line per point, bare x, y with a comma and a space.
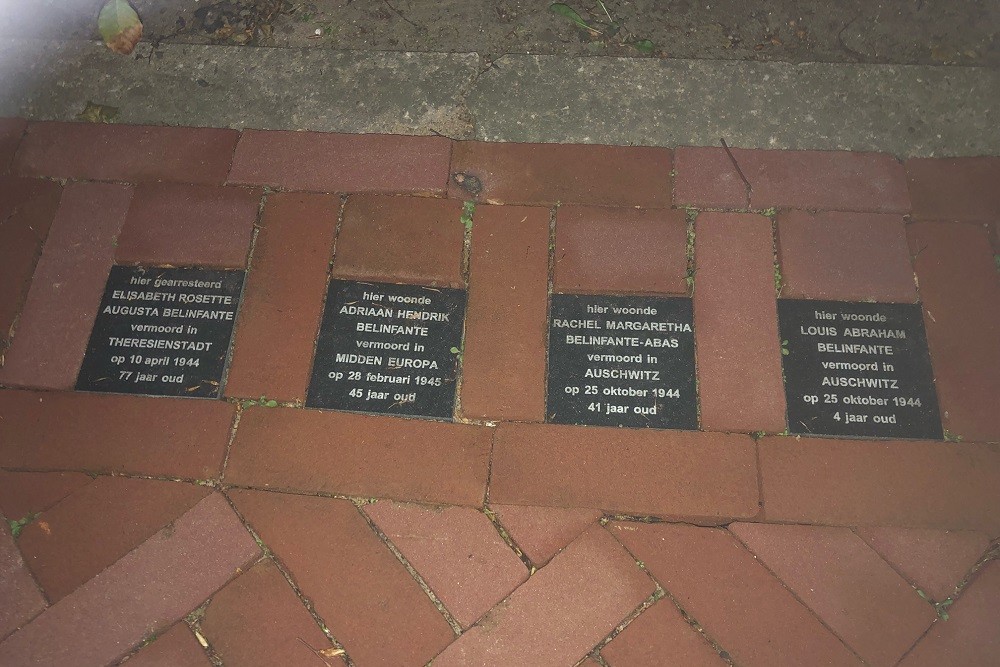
858, 369
162, 332
386, 348
621, 361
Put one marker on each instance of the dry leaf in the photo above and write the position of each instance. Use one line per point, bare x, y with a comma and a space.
119, 26
97, 113
944, 54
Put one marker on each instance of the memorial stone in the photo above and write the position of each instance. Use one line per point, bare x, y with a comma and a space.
162, 332
386, 348
621, 361
857, 369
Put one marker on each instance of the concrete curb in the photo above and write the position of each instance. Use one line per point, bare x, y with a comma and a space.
904, 110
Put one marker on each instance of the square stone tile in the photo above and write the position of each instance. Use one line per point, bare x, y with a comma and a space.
845, 257
189, 225
620, 250
415, 240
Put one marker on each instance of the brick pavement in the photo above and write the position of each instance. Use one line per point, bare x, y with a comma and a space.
249, 530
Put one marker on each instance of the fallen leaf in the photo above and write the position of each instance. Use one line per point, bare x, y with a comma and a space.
565, 10
644, 46
97, 113
944, 54
119, 26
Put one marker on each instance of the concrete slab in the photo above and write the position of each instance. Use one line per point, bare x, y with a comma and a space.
230, 86
904, 110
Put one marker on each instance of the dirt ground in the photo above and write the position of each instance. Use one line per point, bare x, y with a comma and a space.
957, 32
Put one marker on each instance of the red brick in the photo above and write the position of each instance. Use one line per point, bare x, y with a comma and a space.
145, 592
365, 596
98, 524
706, 177
66, 291
838, 180
457, 551
935, 561
134, 153
27, 208
735, 599
660, 635
903, 483
558, 616
960, 290
11, 131
342, 162
542, 532
845, 257
620, 250
128, 434
189, 225
258, 620
25, 493
736, 324
954, 188
401, 239
176, 647
970, 635
361, 455
569, 173
709, 477
283, 297
503, 374
845, 583
22, 600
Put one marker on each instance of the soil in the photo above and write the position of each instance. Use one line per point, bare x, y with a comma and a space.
926, 32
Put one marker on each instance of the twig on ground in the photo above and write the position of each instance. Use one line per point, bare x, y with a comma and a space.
739, 171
